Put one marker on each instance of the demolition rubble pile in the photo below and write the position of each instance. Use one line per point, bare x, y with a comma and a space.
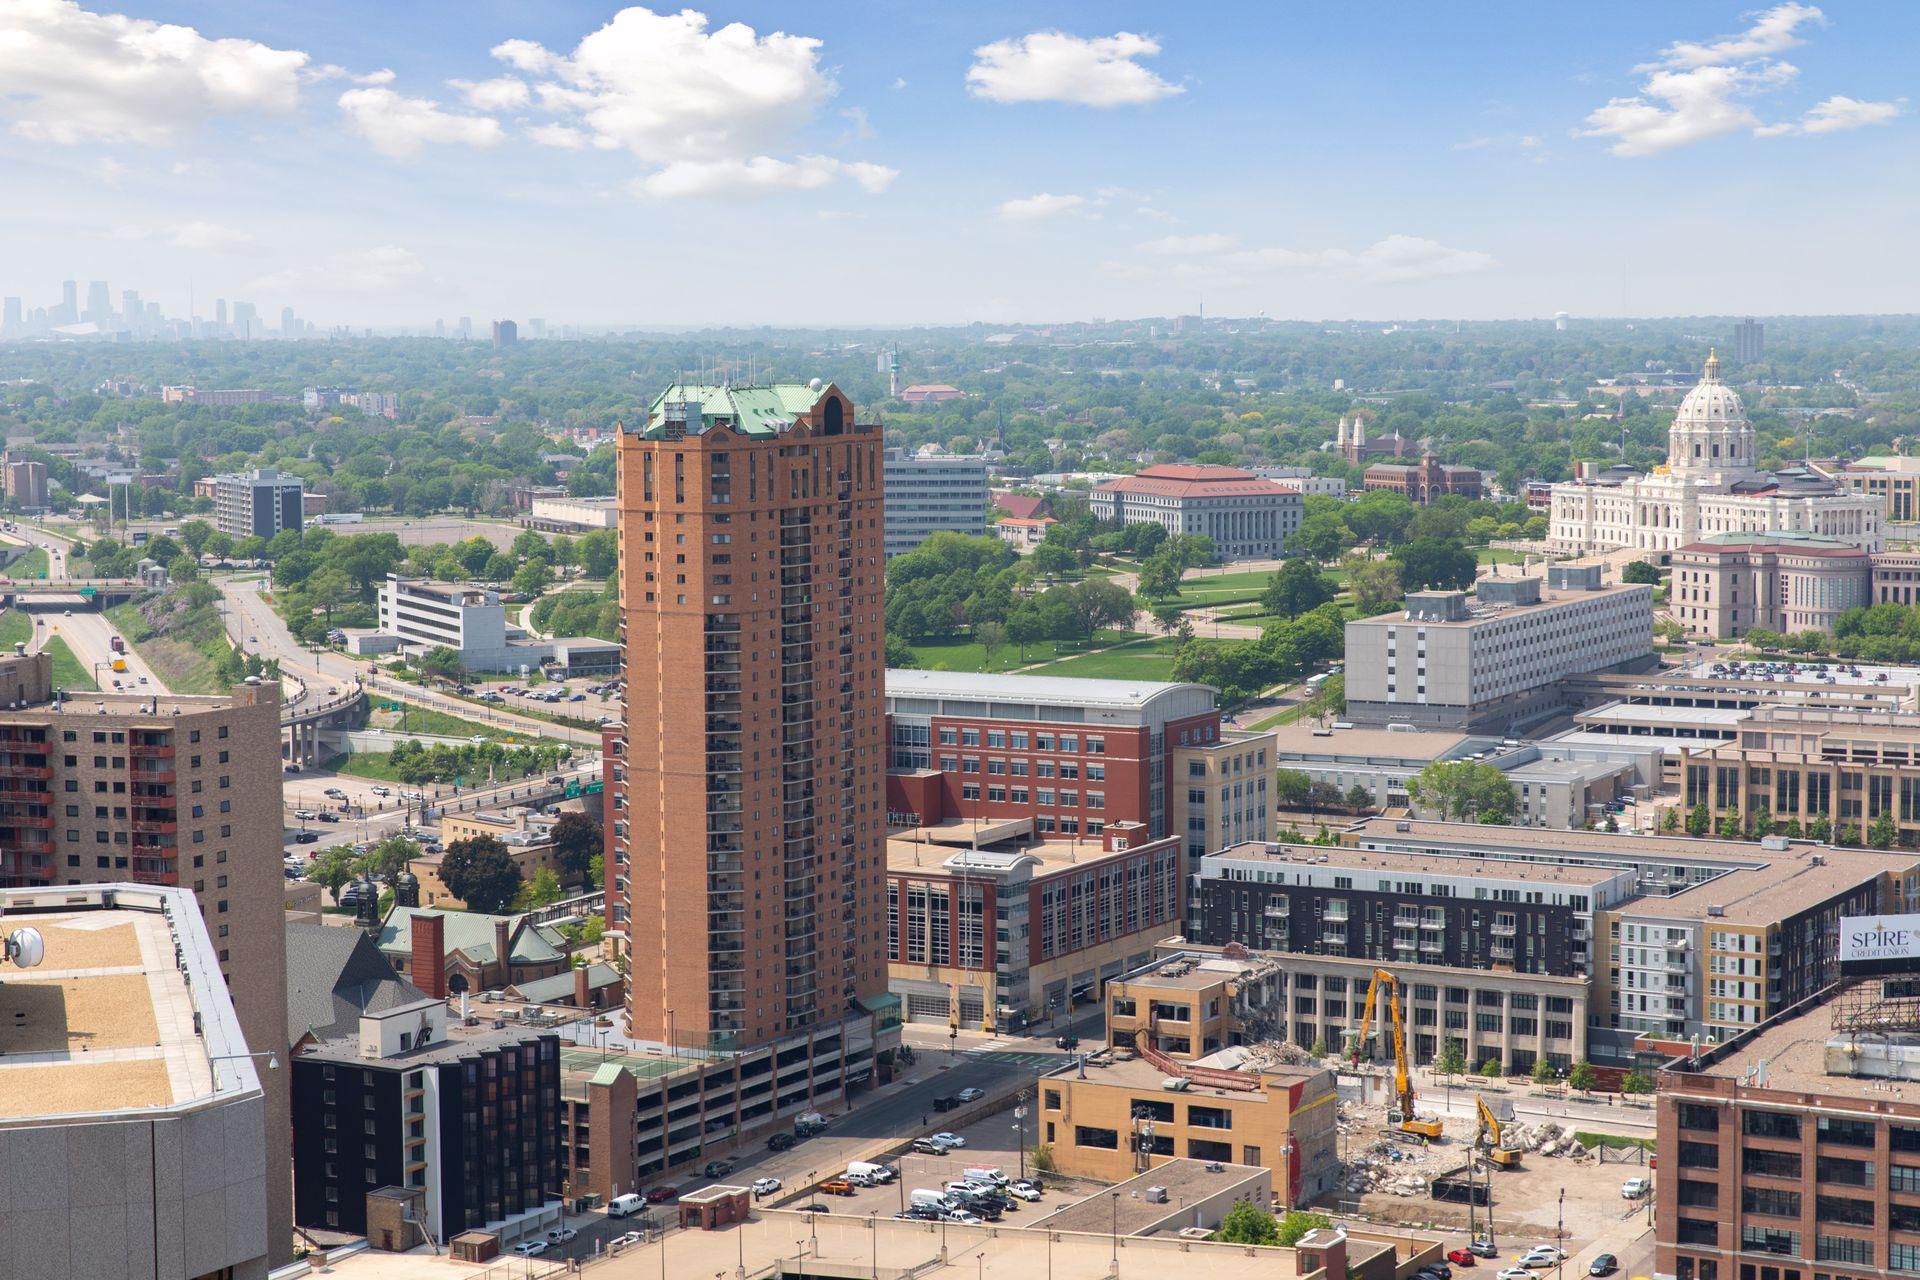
1390, 1166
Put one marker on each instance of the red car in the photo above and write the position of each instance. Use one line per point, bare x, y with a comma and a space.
660, 1195
1460, 1257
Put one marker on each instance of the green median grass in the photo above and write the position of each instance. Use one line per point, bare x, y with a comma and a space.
68, 672
960, 653
15, 628
1143, 659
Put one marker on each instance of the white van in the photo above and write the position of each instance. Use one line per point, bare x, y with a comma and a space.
925, 1199
625, 1206
984, 1175
866, 1169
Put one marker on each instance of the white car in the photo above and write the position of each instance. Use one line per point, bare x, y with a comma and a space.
1023, 1191
1634, 1188
1515, 1273
528, 1248
963, 1218
971, 1095
949, 1139
560, 1235
625, 1241
1541, 1255
765, 1186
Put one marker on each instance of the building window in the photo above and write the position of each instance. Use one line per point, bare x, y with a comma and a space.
1104, 1139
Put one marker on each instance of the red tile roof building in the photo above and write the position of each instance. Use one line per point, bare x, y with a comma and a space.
1021, 506
1247, 517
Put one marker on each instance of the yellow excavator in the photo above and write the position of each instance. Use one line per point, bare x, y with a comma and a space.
1403, 1115
1498, 1154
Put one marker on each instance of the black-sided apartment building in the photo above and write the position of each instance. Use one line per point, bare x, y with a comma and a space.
391, 1093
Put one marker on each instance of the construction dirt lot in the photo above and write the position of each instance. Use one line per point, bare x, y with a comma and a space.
1387, 1179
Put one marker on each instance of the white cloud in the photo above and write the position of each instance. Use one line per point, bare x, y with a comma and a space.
899, 82
109, 170
859, 125
1699, 90
667, 89
1397, 259
1038, 208
1773, 31
198, 234
1675, 108
760, 175
1156, 215
68, 75
383, 76
1180, 246
706, 106
400, 127
503, 93
563, 136
1836, 115
1052, 66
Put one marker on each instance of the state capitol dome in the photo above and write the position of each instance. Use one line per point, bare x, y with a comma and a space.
1712, 400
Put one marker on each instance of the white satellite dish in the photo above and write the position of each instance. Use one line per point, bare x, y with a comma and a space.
26, 948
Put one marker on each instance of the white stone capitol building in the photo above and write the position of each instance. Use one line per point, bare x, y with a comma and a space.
1709, 486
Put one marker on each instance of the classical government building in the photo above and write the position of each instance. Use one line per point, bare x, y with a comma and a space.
1709, 486
1247, 517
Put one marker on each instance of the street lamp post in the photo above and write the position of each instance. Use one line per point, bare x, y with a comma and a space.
1115, 1196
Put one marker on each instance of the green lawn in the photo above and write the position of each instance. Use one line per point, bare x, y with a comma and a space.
364, 764
34, 564
187, 657
962, 654
68, 674
1139, 660
15, 628
1489, 555
427, 720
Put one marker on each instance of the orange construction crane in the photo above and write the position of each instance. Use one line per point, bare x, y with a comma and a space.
1404, 1117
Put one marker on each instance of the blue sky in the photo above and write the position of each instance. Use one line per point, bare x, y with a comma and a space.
888, 162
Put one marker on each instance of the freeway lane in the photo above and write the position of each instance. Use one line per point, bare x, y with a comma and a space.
89, 635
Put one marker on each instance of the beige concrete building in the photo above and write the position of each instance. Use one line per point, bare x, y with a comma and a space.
132, 1111
163, 790
1222, 792
1728, 584
1498, 658
1182, 1018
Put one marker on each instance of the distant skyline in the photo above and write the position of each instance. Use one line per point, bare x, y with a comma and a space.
873, 163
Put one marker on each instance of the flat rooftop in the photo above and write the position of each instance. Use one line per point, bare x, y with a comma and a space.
461, 1040
1546, 842
1185, 1181
1064, 691
108, 1021
1793, 882
1392, 861
1795, 1049
1649, 713
1482, 613
152, 706
845, 1245
1053, 854
1305, 738
1138, 1073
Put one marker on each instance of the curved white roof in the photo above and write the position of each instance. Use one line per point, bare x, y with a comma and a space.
1013, 692
1712, 402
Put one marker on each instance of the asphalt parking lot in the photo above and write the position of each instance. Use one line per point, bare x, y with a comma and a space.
990, 1142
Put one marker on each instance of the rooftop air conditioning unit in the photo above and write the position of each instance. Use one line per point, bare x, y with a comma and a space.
1176, 1084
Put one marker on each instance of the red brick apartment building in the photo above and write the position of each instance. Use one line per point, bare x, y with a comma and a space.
1793, 1151
1072, 755
749, 822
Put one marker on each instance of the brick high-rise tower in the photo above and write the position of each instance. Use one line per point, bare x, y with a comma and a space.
749, 834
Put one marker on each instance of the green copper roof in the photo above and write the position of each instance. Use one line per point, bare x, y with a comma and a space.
753, 411
607, 1074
